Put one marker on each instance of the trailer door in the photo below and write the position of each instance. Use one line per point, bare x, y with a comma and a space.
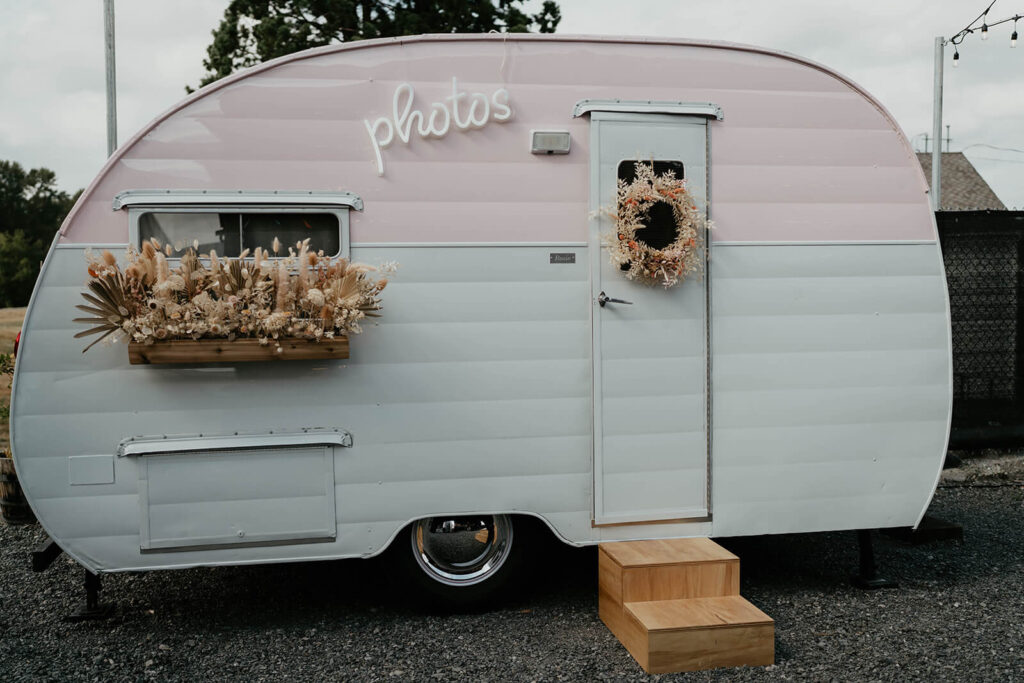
651, 455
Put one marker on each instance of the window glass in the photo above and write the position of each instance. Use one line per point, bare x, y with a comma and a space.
218, 231
660, 230
229, 233
260, 229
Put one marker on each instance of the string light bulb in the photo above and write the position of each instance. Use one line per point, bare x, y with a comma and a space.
984, 31
1013, 36
956, 58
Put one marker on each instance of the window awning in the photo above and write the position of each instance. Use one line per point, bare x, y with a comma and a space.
649, 107
228, 197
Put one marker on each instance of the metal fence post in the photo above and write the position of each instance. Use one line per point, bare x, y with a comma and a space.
937, 127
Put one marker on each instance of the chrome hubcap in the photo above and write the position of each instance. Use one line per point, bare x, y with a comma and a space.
462, 551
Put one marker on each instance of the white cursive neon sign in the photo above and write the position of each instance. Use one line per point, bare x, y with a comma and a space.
464, 111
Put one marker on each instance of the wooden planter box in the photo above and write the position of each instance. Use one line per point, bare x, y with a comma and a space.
236, 351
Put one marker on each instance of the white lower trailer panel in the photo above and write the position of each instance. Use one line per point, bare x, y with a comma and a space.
830, 397
831, 386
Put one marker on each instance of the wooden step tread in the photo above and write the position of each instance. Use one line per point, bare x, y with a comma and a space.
669, 551
696, 613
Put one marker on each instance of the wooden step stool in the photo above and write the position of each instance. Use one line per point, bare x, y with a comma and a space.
676, 606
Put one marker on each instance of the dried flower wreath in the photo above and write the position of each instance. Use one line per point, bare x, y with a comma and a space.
626, 247
303, 295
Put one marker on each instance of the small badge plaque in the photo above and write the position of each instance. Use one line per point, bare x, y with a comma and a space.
568, 257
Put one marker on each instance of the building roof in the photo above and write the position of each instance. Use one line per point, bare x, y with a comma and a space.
963, 188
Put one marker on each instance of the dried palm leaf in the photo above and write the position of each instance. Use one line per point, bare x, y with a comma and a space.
192, 272
109, 310
90, 309
234, 275
349, 284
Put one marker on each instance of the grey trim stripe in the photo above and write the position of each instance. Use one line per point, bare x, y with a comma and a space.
415, 245
551, 245
821, 243
377, 245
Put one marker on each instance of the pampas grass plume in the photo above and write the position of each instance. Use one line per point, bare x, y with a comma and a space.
282, 287
162, 270
304, 263
148, 262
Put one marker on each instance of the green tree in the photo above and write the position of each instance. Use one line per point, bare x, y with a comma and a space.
254, 31
31, 211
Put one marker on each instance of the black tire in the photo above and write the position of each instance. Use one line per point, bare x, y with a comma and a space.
437, 564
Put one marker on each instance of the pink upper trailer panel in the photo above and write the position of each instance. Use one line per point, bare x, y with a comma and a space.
433, 133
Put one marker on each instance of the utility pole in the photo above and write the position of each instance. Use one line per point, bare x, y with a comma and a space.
937, 127
108, 35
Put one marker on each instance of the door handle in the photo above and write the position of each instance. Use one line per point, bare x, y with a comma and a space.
603, 299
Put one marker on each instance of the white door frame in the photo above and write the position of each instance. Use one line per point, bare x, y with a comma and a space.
687, 512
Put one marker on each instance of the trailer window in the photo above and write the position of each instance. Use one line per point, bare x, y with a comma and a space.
660, 227
217, 231
229, 233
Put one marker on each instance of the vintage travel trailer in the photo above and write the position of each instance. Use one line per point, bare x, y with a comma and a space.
801, 383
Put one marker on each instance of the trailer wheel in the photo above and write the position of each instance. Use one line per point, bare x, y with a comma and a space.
459, 562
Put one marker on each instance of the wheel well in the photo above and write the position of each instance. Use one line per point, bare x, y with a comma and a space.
535, 526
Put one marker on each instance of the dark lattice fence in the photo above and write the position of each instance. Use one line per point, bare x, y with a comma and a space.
984, 256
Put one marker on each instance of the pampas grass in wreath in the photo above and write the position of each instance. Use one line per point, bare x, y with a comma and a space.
626, 247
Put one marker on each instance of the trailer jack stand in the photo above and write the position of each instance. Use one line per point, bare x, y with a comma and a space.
93, 608
868, 578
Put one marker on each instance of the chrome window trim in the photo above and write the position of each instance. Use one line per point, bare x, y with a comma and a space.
339, 212
166, 445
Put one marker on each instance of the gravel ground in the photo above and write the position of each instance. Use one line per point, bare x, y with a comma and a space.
958, 615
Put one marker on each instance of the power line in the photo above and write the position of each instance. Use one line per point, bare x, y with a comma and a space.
1006, 161
1001, 149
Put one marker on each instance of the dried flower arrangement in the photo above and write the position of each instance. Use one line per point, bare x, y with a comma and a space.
626, 248
303, 295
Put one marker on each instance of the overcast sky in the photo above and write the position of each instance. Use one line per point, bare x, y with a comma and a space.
52, 74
